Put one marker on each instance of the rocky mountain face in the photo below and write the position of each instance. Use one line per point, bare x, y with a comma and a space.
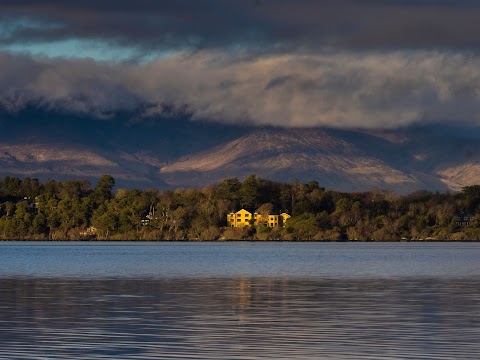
402, 161
174, 152
288, 154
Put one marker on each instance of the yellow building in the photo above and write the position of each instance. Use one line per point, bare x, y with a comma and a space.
243, 218
273, 220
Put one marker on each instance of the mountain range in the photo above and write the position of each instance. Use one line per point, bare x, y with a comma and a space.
176, 151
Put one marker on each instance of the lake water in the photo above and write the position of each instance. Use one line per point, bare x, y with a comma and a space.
239, 300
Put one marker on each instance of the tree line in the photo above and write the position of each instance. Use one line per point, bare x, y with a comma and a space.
57, 210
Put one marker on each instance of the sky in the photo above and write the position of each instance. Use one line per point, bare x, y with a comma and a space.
289, 63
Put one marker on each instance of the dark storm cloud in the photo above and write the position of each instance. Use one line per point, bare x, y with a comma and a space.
342, 63
147, 23
284, 23
345, 89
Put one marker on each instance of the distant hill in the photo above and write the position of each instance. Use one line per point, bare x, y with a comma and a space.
48, 144
176, 151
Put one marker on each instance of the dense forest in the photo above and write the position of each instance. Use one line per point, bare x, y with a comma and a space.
74, 209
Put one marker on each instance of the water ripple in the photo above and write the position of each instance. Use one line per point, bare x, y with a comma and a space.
239, 318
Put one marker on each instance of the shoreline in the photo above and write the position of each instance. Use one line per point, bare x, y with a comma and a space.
233, 241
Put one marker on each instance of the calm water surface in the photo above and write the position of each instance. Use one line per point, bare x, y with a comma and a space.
239, 301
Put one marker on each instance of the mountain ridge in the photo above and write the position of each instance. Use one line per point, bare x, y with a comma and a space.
180, 152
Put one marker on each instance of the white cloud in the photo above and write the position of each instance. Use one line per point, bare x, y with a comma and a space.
342, 89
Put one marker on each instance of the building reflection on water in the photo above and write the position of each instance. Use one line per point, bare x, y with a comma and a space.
242, 294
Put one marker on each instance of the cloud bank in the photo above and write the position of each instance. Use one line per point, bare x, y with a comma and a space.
292, 63
343, 89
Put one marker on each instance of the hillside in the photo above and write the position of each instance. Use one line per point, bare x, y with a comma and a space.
286, 154
403, 161
172, 152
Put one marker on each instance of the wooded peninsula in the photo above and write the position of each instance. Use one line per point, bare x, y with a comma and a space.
76, 210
